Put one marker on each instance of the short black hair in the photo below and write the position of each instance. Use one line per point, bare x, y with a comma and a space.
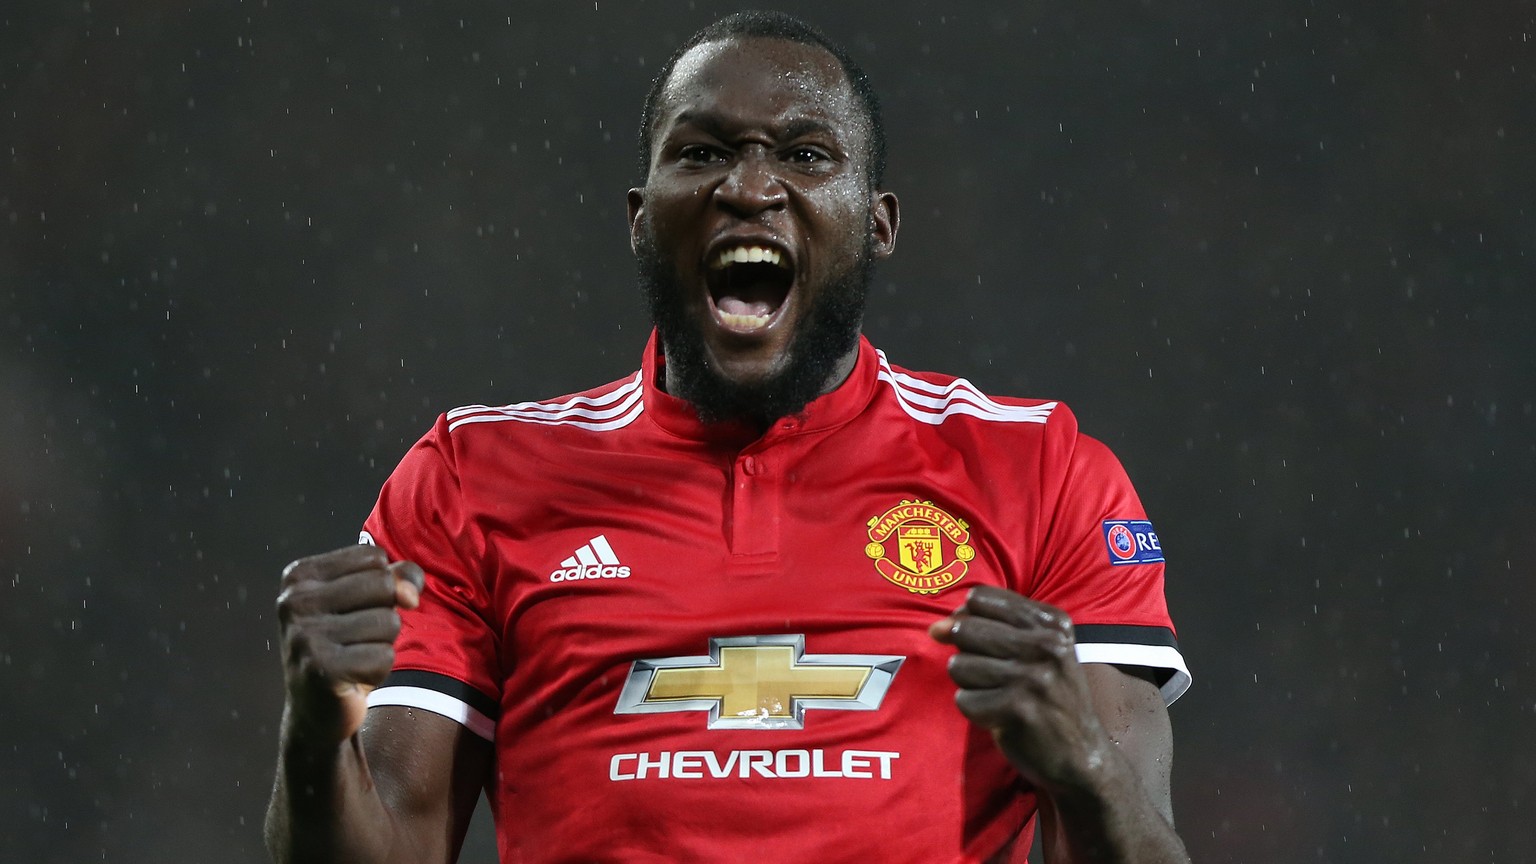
772, 25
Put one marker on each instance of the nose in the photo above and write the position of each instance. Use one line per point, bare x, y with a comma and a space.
752, 185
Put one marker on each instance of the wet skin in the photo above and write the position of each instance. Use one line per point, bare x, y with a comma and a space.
760, 142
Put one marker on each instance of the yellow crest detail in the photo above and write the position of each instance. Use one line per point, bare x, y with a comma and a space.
932, 547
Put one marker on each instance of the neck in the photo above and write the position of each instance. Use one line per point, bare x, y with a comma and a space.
758, 404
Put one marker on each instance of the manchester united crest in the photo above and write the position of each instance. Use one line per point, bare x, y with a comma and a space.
920, 547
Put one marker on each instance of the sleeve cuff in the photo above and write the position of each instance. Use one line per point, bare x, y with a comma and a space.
440, 694
1131, 645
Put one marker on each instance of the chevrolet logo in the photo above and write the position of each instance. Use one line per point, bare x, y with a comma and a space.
758, 682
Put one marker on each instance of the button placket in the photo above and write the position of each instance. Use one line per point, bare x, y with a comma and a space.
755, 507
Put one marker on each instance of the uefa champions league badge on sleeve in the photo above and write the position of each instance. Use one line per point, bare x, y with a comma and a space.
1132, 542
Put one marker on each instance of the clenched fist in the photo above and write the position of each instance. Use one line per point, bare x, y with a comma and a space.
1019, 678
338, 622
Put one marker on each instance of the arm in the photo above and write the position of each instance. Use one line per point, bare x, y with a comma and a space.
402, 785
1127, 811
1093, 741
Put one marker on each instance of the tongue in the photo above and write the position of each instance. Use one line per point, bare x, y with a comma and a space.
738, 306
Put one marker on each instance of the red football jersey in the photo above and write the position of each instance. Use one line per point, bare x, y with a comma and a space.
693, 642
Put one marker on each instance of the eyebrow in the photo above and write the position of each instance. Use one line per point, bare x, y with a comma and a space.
714, 124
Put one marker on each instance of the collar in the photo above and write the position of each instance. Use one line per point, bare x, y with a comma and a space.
824, 412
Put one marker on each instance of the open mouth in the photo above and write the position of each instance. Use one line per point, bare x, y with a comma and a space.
748, 285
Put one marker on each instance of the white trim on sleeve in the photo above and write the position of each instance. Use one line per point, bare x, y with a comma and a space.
1156, 656
437, 703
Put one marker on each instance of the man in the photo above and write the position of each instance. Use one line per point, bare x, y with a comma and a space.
721, 609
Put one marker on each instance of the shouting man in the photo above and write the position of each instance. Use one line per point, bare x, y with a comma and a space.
770, 596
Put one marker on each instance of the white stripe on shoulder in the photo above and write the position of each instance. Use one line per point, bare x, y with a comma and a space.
438, 703
932, 403
614, 395
612, 410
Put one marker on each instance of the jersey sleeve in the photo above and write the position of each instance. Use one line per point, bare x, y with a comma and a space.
446, 657
1101, 560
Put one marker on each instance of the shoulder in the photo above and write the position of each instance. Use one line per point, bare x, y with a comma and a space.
1042, 435
503, 435
604, 408
935, 398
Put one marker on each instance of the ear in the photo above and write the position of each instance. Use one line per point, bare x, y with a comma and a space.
636, 201
885, 221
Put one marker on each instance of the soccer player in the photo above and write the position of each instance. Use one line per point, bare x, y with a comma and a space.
770, 597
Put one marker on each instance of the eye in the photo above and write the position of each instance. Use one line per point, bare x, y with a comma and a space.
698, 154
806, 154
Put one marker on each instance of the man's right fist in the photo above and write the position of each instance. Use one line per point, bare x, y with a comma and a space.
337, 622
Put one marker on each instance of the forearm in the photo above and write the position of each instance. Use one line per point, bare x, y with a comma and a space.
1109, 820
325, 807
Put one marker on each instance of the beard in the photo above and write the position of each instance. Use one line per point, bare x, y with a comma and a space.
824, 335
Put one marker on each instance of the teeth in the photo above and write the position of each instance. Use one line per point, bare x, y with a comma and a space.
747, 255
735, 320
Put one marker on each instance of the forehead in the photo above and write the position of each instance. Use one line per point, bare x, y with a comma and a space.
761, 80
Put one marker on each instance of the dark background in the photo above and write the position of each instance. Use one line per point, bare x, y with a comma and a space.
1279, 255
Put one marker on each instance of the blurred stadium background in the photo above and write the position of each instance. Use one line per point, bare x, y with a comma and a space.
1279, 255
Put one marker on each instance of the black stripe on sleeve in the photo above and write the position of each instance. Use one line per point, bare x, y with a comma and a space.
1125, 634
446, 685
1132, 634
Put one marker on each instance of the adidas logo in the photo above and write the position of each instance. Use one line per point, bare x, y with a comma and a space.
594, 560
